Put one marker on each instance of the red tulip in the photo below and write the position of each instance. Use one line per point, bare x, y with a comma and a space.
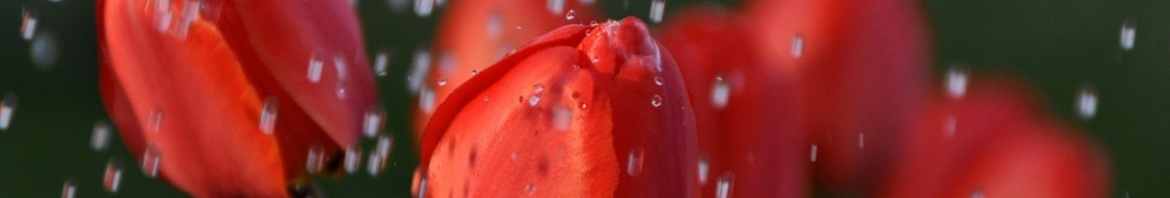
746, 108
996, 142
593, 111
861, 67
234, 98
475, 34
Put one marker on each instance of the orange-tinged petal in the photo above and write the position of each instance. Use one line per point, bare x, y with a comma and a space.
550, 121
745, 108
161, 89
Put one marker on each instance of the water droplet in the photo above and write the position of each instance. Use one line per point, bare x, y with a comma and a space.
596, 58
656, 9
860, 140
381, 62
720, 92
487, 98
397, 6
535, 98
69, 189
474, 72
373, 122
531, 188
442, 81
156, 119
704, 168
426, 101
375, 164
658, 80
340, 65
190, 12
423, 7
150, 162
268, 115
797, 46
418, 71
956, 82
812, 156
949, 125
384, 146
656, 100
556, 6
586, 2
519, 27
562, 118
28, 25
7, 109
315, 67
315, 160
113, 175
724, 184
495, 25
162, 15
634, 162
978, 194
570, 15
583, 106
1087, 103
591, 24
44, 51
422, 187
353, 158
1128, 34
100, 137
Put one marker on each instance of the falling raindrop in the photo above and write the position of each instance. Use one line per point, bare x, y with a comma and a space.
268, 115
704, 167
381, 62
570, 15
536, 91
495, 25
423, 7
720, 92
656, 100
315, 160
156, 119
586, 2
373, 122
956, 82
658, 80
113, 175
418, 71
797, 46
949, 125
397, 5
44, 51
561, 118
442, 82
812, 156
1128, 34
190, 12
860, 140
28, 25
724, 184
1087, 103
384, 146
162, 15
315, 67
531, 188
375, 164
101, 136
150, 162
978, 194
656, 9
69, 189
556, 6
353, 158
634, 162
426, 101
340, 65
7, 109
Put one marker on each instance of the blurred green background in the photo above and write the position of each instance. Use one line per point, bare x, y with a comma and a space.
1057, 46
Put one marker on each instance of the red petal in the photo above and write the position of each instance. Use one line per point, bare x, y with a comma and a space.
861, 65
561, 147
745, 108
996, 142
475, 34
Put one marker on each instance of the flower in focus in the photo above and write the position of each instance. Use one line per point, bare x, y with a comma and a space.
234, 98
596, 111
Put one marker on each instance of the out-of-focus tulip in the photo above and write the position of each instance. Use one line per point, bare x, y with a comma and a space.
476, 34
861, 66
996, 142
231, 97
746, 108
593, 111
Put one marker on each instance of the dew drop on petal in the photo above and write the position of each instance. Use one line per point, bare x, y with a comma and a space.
571, 15
28, 25
656, 100
1128, 34
315, 160
100, 138
268, 114
69, 189
150, 162
656, 9
634, 162
162, 15
7, 109
583, 106
442, 82
426, 100
723, 185
704, 168
812, 156
113, 175
1087, 103
536, 91
556, 6
658, 80
353, 158
381, 62
860, 140
956, 82
797, 46
720, 92
316, 65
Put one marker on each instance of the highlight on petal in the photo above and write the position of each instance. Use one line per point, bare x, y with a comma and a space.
475, 34
861, 66
205, 95
994, 142
746, 109
551, 121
